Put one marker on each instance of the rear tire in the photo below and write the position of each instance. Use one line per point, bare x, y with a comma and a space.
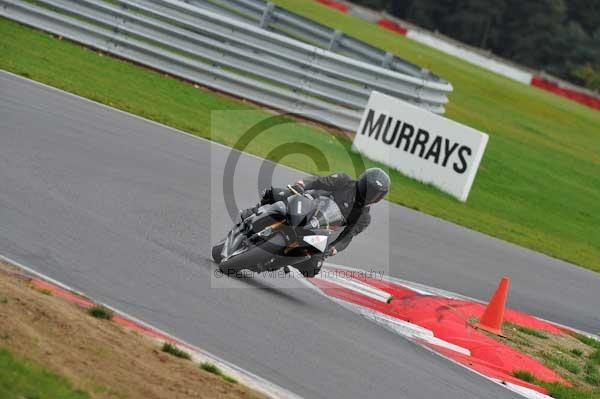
309, 268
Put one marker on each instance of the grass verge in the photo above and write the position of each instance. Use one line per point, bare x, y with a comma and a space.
21, 378
538, 185
524, 375
100, 312
561, 361
571, 356
211, 368
533, 332
51, 348
175, 351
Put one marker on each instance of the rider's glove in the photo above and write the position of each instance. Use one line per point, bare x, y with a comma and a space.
331, 251
299, 186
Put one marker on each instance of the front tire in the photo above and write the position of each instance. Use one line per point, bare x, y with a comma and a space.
309, 268
263, 256
216, 252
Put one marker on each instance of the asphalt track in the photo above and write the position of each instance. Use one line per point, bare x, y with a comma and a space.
124, 210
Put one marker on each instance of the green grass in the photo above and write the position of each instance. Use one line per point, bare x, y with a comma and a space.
538, 185
213, 369
582, 366
532, 331
524, 375
555, 360
577, 352
592, 373
100, 312
591, 342
175, 351
229, 379
557, 391
20, 379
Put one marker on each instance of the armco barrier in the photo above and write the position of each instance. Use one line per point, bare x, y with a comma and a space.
279, 20
229, 55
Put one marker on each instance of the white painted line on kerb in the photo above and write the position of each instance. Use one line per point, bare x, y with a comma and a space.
199, 355
406, 329
357, 286
526, 392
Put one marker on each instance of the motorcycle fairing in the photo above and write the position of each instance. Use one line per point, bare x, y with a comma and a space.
317, 241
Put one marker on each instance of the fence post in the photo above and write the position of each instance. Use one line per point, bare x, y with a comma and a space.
335, 38
386, 62
267, 15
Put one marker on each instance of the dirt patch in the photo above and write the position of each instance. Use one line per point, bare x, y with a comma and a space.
98, 356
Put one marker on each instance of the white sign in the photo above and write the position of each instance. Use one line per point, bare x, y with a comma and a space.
420, 144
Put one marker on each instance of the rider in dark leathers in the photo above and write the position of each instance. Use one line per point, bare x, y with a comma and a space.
352, 196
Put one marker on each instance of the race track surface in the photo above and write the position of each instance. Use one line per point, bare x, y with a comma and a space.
124, 210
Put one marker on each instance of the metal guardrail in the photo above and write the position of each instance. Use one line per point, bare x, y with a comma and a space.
277, 19
229, 55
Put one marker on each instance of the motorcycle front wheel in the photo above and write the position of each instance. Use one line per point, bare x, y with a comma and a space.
266, 256
309, 268
216, 251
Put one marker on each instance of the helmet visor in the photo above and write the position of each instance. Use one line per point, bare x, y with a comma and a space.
376, 197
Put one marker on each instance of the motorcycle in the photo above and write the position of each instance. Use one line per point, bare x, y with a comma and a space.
297, 231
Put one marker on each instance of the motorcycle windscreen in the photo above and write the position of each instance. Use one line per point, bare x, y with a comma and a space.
328, 214
299, 208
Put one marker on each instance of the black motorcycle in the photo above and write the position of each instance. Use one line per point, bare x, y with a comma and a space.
295, 232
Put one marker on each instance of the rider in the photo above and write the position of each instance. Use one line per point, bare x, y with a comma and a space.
352, 196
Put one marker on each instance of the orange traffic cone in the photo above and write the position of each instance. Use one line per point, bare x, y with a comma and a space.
493, 316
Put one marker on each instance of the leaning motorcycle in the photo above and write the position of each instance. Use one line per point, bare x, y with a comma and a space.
295, 232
